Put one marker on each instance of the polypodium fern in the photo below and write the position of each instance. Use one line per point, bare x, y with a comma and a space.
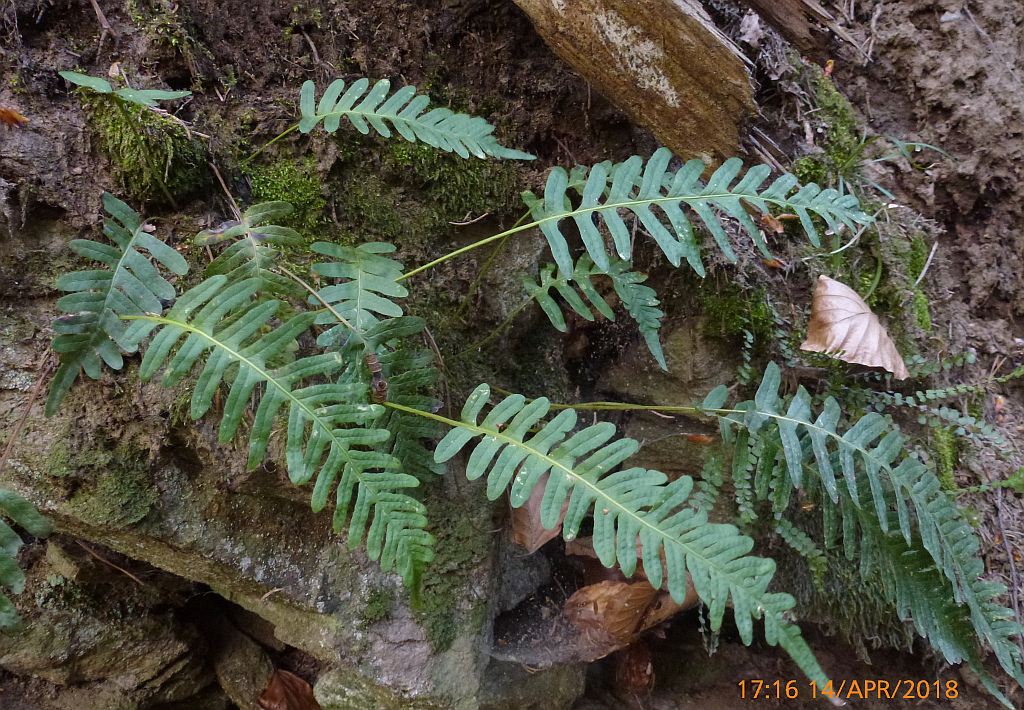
131, 285
371, 281
627, 505
325, 434
867, 449
440, 128
11, 577
640, 301
249, 257
638, 188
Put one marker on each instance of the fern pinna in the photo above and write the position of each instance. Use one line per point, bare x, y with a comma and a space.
15, 508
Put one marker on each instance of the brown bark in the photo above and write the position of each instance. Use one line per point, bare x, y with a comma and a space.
663, 62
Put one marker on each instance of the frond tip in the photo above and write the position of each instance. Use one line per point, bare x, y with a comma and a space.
440, 128
627, 505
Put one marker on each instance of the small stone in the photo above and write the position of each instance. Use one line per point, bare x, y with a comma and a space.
76, 171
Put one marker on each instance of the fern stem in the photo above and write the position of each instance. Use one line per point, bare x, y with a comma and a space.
328, 306
272, 142
628, 204
501, 326
479, 277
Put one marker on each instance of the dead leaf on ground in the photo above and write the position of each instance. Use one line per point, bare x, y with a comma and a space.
286, 691
11, 117
527, 529
842, 325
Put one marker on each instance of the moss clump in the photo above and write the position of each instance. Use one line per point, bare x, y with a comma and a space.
917, 258
843, 139
810, 169
947, 456
921, 312
107, 486
294, 181
379, 604
154, 157
731, 311
457, 185
448, 602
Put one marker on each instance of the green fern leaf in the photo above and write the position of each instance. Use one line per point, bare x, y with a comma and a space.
632, 186
12, 578
248, 257
864, 452
130, 285
371, 281
627, 505
326, 436
640, 301
439, 128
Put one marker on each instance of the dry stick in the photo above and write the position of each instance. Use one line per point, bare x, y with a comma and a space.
28, 408
107, 29
927, 263
1014, 578
108, 562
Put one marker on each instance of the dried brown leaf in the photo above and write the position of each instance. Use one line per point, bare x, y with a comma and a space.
286, 691
610, 610
526, 526
843, 326
11, 117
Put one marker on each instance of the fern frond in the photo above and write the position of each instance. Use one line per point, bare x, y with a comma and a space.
627, 505
12, 578
326, 436
638, 188
371, 281
130, 285
804, 546
248, 257
922, 594
869, 449
709, 486
439, 128
640, 301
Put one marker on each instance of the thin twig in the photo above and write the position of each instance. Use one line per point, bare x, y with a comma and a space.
234, 205
28, 408
108, 562
472, 221
107, 29
928, 263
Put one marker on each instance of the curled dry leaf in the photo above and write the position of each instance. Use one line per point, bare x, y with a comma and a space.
609, 613
286, 691
11, 117
527, 529
842, 325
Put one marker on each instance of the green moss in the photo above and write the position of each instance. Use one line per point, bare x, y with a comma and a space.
459, 186
844, 138
154, 157
810, 169
917, 257
731, 310
379, 604
294, 181
105, 486
947, 456
921, 312
448, 604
